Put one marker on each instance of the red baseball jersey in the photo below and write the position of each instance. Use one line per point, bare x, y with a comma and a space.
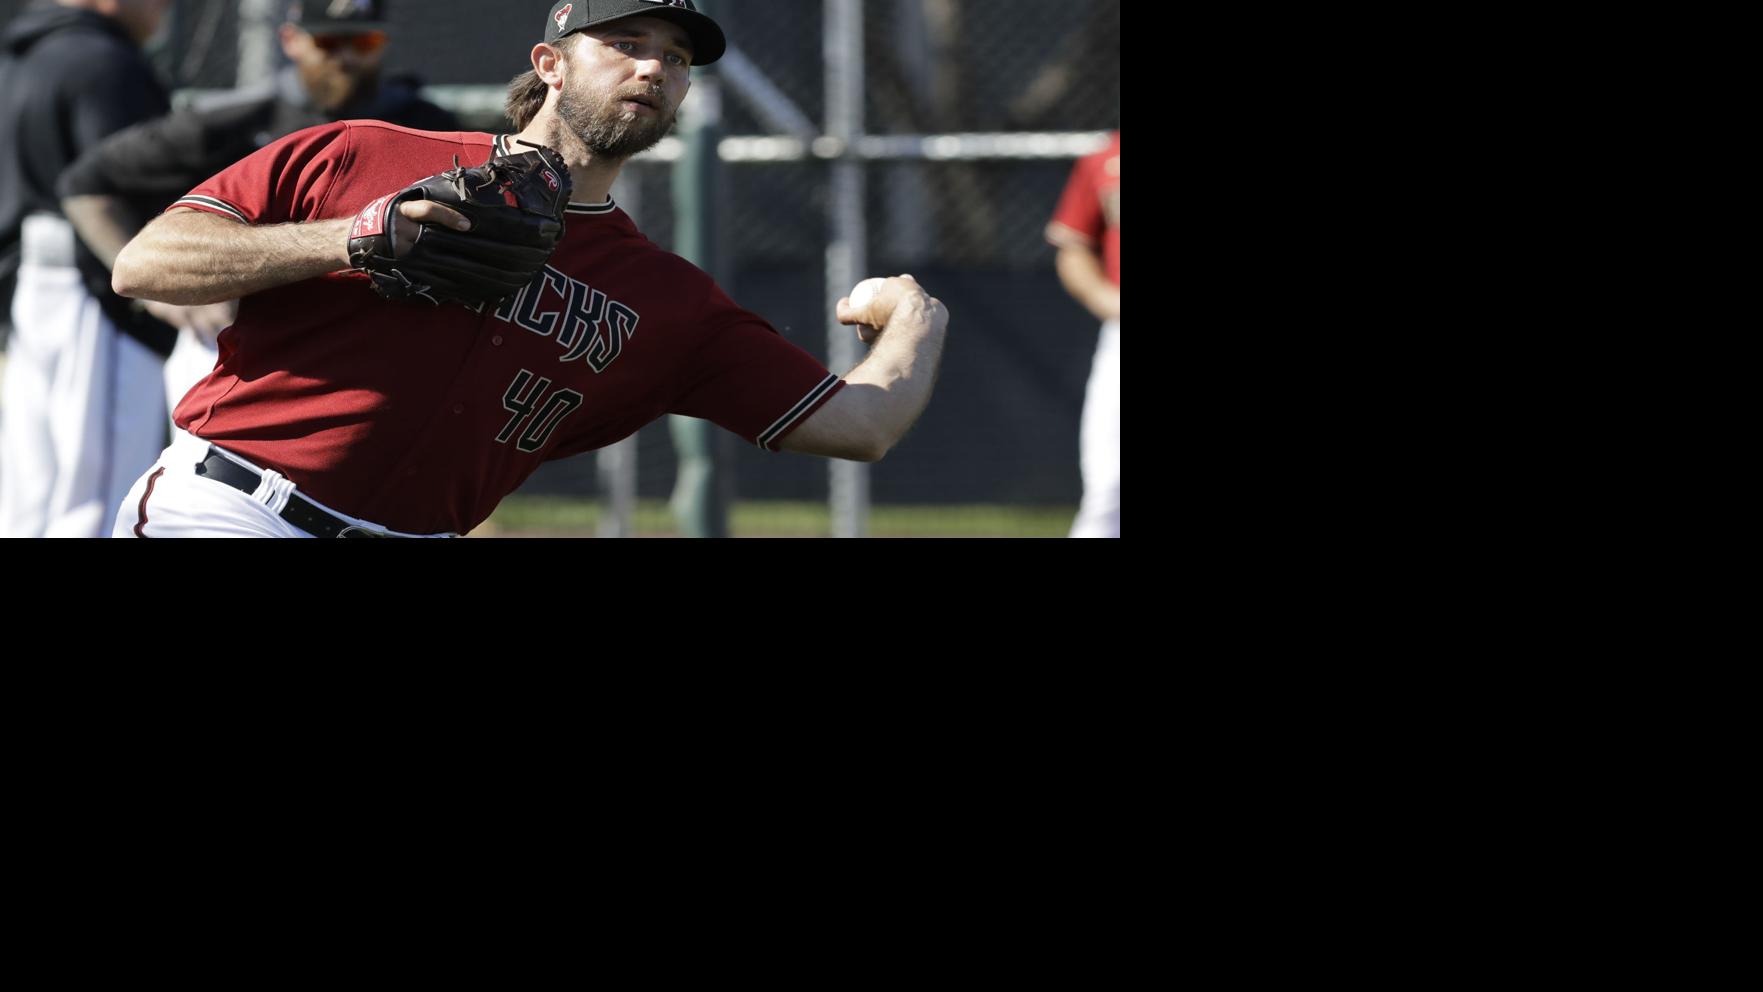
1089, 212
422, 418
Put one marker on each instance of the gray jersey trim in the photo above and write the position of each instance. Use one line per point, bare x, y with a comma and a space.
783, 424
213, 204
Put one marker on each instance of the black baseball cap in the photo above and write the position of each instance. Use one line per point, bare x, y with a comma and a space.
338, 16
571, 16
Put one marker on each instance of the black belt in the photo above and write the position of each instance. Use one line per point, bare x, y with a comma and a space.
300, 512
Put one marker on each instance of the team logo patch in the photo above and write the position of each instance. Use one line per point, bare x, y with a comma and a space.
371, 221
563, 15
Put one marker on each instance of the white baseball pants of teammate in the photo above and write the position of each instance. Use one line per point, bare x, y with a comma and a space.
1099, 442
192, 358
171, 500
82, 408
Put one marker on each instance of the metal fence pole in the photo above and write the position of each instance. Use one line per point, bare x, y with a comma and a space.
846, 255
617, 464
259, 47
697, 504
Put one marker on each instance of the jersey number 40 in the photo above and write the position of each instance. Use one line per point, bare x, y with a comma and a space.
522, 399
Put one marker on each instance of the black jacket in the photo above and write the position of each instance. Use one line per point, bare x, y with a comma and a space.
68, 79
154, 163
151, 164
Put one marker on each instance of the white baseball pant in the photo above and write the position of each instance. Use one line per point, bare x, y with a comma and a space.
1099, 441
171, 500
192, 358
82, 408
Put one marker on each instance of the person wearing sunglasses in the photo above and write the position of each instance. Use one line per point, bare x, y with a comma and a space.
335, 50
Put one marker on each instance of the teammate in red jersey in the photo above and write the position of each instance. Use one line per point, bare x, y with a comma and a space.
333, 412
1086, 230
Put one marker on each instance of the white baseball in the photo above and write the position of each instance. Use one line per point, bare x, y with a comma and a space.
865, 291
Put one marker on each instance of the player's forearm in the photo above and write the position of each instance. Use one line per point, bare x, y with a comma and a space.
1083, 276
191, 258
103, 223
894, 384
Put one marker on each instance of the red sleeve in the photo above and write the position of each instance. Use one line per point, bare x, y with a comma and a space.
747, 378
283, 182
1079, 217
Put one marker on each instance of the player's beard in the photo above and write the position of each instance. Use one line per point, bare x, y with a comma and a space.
610, 132
333, 88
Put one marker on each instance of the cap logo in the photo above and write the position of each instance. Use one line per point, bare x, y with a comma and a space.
675, 3
343, 8
563, 15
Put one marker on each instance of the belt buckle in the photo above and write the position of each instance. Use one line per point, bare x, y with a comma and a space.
354, 531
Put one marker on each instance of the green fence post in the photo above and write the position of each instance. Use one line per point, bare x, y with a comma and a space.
700, 504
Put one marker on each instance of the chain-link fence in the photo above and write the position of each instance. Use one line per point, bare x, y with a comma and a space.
1002, 428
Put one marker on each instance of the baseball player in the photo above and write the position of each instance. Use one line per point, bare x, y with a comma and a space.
1086, 230
335, 50
345, 404
84, 412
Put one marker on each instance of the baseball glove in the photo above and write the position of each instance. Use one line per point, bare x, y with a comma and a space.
515, 204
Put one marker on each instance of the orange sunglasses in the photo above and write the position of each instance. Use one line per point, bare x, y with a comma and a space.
366, 42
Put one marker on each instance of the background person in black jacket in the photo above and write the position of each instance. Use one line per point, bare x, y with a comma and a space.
335, 49
82, 408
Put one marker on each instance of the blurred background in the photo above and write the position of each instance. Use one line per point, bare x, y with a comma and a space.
962, 121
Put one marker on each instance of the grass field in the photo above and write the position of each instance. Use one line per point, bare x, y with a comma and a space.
549, 516
545, 516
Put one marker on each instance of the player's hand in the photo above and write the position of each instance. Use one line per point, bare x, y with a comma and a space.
900, 295
418, 212
207, 321
1108, 305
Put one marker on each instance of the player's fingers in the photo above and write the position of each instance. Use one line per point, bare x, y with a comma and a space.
430, 212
